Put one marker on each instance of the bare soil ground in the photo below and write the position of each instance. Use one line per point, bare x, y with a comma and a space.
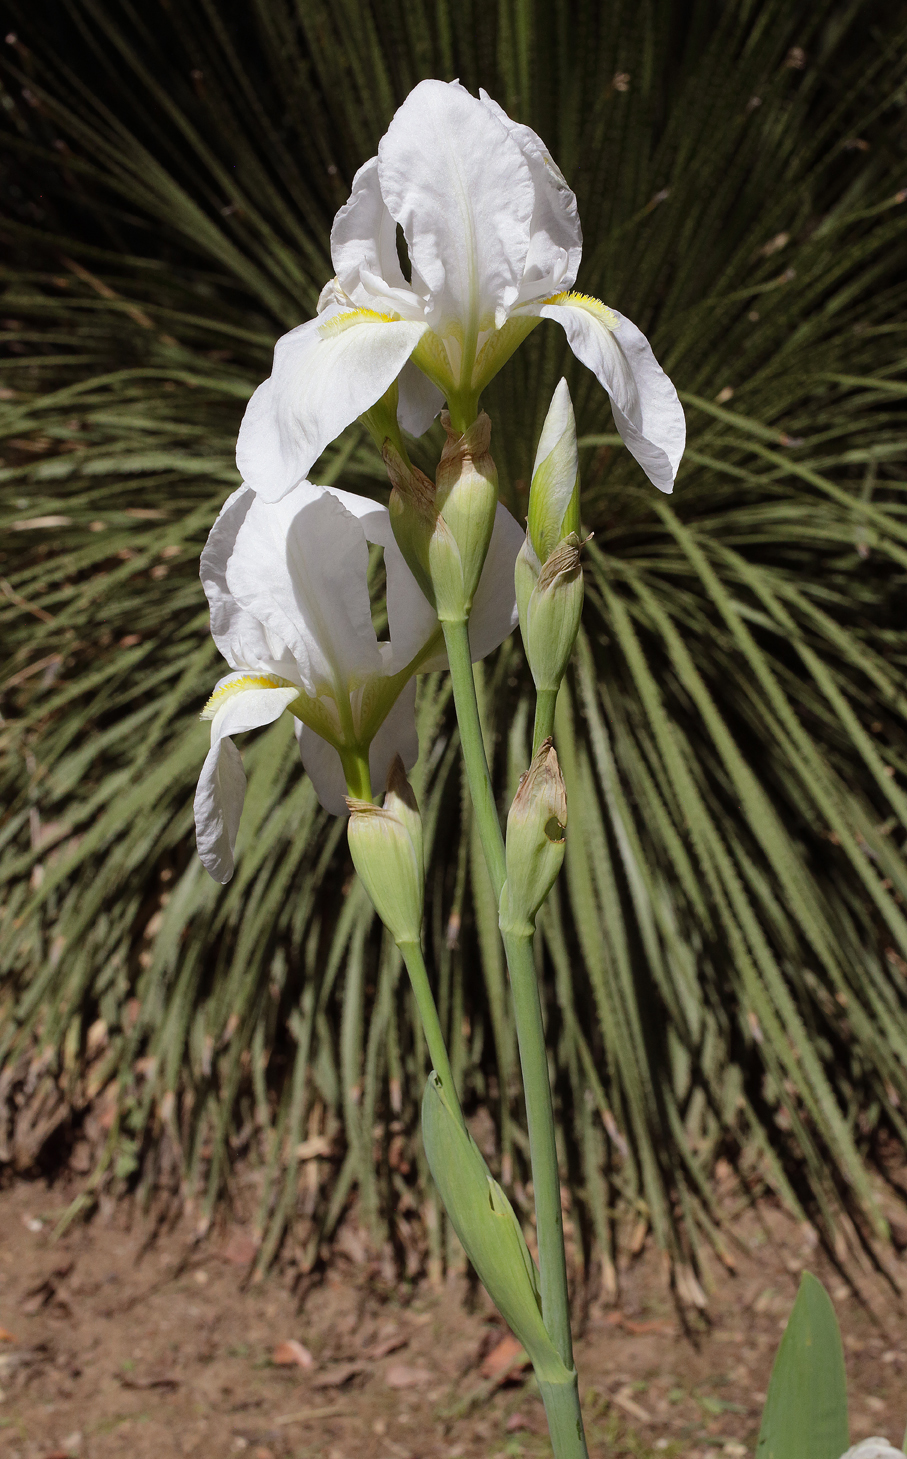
115, 1341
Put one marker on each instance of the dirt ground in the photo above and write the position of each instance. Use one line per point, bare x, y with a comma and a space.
115, 1344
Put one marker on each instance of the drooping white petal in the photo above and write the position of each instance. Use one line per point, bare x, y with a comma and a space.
555, 235
456, 181
494, 609
222, 784
300, 567
419, 402
396, 736
326, 373
644, 403
244, 641
219, 800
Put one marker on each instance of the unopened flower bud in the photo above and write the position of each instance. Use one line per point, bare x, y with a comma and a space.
467, 497
548, 577
487, 1226
386, 846
536, 841
443, 530
550, 604
554, 493
413, 514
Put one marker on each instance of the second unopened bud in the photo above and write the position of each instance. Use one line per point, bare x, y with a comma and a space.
536, 841
386, 846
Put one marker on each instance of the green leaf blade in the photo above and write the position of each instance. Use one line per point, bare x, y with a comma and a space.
805, 1415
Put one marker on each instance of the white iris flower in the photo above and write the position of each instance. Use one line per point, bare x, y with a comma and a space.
494, 244
287, 584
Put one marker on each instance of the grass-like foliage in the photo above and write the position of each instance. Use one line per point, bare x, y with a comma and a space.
725, 962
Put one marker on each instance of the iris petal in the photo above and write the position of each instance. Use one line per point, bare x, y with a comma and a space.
456, 181
326, 373
644, 403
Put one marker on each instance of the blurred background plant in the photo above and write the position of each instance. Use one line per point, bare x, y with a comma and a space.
725, 962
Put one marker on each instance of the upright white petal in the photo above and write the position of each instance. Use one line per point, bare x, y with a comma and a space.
644, 403
300, 567
326, 373
364, 250
222, 784
397, 736
555, 235
456, 181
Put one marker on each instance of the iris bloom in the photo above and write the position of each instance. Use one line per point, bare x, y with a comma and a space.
494, 244
287, 586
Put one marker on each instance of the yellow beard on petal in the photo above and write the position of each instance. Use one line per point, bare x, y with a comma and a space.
341, 322
587, 302
238, 686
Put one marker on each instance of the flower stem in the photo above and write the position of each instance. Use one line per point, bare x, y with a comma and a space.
566, 1433
428, 1013
463, 407
545, 701
357, 774
565, 1418
530, 1027
456, 640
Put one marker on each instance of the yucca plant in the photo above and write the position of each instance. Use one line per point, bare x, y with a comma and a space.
725, 965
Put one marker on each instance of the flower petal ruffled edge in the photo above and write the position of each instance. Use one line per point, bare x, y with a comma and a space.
221, 786
644, 403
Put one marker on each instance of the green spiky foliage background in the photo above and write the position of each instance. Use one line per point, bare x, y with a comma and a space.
725, 959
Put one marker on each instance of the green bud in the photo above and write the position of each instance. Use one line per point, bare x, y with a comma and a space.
554, 494
536, 841
486, 1224
550, 604
386, 846
467, 497
443, 530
